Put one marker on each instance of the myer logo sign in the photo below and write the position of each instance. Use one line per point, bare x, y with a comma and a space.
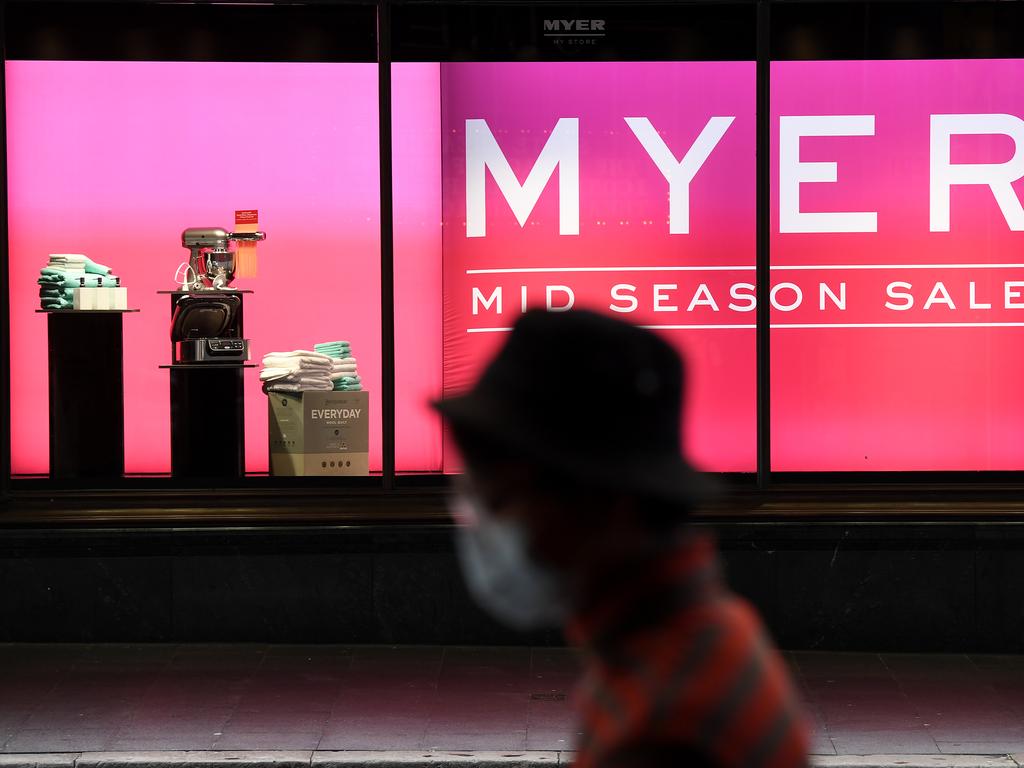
574, 31
336, 413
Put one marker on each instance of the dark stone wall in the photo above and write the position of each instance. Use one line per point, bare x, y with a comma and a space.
835, 586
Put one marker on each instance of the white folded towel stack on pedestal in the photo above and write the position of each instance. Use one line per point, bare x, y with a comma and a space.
296, 371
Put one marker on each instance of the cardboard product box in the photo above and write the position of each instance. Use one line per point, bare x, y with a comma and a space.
319, 433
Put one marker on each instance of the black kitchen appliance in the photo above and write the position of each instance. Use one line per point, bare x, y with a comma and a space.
206, 328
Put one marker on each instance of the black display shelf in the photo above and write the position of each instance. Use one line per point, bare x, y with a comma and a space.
176, 366
207, 408
86, 311
86, 390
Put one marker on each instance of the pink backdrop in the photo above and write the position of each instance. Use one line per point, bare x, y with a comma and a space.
897, 398
114, 159
416, 121
623, 221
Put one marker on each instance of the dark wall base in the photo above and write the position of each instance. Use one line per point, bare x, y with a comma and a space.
835, 586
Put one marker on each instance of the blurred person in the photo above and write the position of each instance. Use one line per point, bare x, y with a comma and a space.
573, 510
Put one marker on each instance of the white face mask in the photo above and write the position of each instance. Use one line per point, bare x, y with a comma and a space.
500, 573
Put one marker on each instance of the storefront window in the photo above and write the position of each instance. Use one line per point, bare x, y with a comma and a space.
623, 187
897, 282
606, 161
115, 159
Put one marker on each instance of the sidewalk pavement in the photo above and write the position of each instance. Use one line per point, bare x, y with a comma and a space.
207, 706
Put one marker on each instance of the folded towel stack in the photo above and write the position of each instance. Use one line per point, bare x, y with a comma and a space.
67, 271
77, 262
296, 371
344, 372
336, 349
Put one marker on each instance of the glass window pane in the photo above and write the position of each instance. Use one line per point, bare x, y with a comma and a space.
625, 187
115, 159
895, 261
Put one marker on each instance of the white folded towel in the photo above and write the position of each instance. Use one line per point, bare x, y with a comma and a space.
296, 363
301, 385
269, 374
303, 353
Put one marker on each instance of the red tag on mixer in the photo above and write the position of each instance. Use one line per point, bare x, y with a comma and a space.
246, 217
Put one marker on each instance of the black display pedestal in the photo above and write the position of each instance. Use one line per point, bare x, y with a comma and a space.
208, 410
207, 420
86, 393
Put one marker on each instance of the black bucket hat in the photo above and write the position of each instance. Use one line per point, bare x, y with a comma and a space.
591, 397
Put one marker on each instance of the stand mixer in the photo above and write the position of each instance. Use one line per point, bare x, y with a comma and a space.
209, 246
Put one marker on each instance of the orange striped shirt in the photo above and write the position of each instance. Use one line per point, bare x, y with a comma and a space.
680, 672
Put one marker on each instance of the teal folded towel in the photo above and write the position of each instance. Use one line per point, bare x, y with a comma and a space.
50, 279
348, 380
54, 271
352, 388
95, 269
330, 348
56, 293
56, 304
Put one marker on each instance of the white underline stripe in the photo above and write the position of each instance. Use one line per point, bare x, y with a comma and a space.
606, 269
693, 328
738, 268
791, 326
900, 266
896, 325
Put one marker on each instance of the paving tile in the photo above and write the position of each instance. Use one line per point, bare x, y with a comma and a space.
551, 738
173, 742
284, 702
912, 761
822, 745
413, 704
42, 760
251, 722
11, 720
981, 747
268, 740
413, 666
883, 743
58, 741
497, 740
149, 723
196, 759
436, 758
375, 733
488, 669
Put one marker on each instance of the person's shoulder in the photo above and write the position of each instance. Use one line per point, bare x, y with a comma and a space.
727, 682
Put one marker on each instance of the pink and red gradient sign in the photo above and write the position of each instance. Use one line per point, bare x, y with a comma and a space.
599, 235
920, 368
115, 159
